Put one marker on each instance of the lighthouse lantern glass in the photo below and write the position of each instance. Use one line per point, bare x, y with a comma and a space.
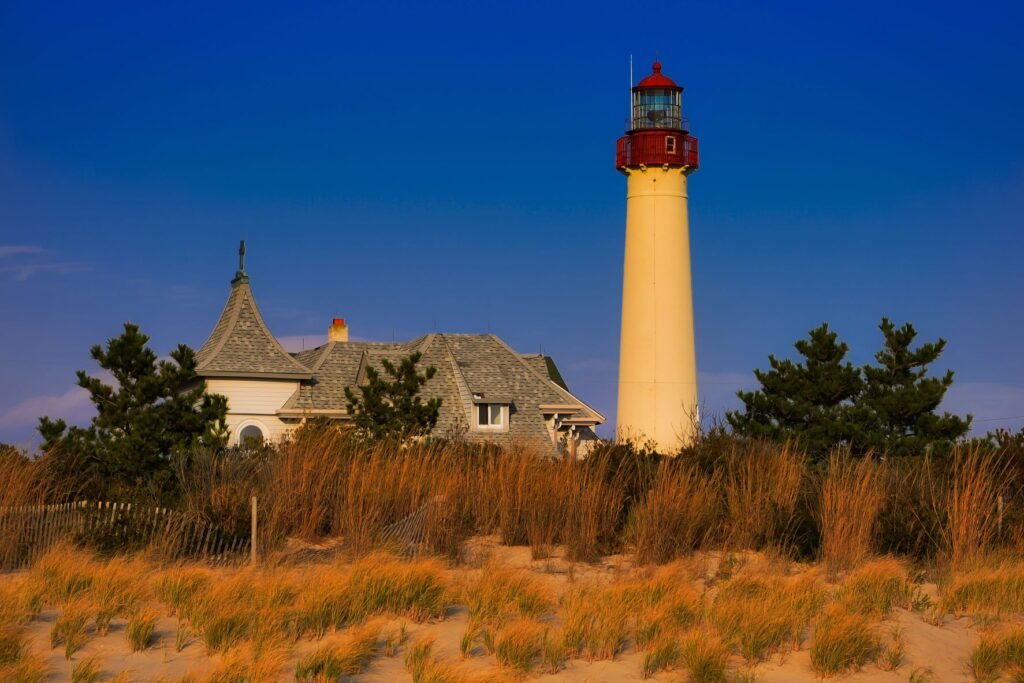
657, 108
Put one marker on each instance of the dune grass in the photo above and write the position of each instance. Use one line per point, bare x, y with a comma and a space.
595, 621
498, 594
336, 659
762, 487
676, 515
12, 643
87, 670
876, 588
996, 590
979, 480
419, 657
759, 616
262, 607
748, 496
892, 652
662, 654
997, 653
706, 659
176, 586
69, 628
374, 585
25, 483
245, 665
843, 641
27, 667
851, 500
141, 629
62, 574
519, 644
118, 589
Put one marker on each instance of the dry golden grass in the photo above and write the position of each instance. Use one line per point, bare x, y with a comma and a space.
262, 607
754, 496
177, 586
87, 670
245, 665
843, 641
28, 667
596, 620
425, 667
851, 499
676, 514
328, 483
705, 657
62, 574
141, 628
520, 644
762, 487
662, 605
24, 484
998, 652
998, 590
498, 594
875, 588
70, 627
118, 589
979, 481
748, 495
676, 619
760, 616
19, 602
343, 657
376, 584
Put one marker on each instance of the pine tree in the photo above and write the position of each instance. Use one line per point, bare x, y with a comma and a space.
900, 399
809, 401
392, 408
155, 409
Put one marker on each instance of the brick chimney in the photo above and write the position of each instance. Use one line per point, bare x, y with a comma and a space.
338, 331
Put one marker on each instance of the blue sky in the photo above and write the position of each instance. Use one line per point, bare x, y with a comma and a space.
417, 165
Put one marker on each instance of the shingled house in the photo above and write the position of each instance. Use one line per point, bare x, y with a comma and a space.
488, 391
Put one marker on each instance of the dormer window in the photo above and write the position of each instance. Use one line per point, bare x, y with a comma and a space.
491, 417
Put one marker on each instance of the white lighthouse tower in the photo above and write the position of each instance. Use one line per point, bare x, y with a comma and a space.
657, 358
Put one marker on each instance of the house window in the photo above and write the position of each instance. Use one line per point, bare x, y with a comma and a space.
251, 435
492, 416
670, 144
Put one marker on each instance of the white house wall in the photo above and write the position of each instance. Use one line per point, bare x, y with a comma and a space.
254, 401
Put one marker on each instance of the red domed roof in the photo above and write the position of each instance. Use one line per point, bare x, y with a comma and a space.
657, 80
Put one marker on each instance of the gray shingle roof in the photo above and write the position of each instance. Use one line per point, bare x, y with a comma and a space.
471, 368
242, 346
467, 365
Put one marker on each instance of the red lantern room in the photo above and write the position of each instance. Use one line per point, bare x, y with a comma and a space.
658, 134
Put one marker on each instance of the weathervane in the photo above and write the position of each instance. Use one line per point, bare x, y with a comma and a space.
240, 276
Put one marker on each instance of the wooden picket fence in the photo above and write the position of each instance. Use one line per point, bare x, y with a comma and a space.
28, 532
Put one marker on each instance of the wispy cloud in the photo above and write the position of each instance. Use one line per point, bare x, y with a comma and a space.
73, 406
24, 271
7, 250
23, 261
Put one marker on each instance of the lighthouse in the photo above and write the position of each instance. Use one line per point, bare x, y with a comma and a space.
657, 355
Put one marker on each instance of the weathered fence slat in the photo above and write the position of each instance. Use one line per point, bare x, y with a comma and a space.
33, 529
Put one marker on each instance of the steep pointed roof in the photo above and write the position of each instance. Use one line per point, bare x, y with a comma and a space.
242, 346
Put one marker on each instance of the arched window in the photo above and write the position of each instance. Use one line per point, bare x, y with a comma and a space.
250, 435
